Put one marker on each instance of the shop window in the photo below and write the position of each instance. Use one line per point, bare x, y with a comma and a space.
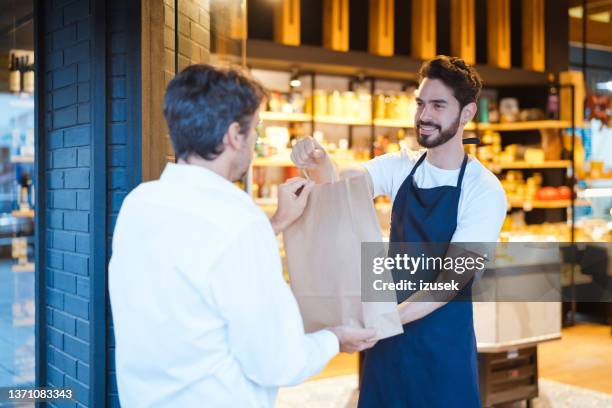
17, 194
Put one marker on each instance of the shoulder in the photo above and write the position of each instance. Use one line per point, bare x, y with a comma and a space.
481, 183
405, 158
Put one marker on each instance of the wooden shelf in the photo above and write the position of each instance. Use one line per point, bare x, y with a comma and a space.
546, 204
338, 120
333, 120
272, 162
27, 267
22, 159
23, 213
265, 54
518, 126
394, 123
549, 164
282, 162
285, 117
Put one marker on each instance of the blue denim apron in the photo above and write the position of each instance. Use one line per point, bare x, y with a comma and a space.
433, 364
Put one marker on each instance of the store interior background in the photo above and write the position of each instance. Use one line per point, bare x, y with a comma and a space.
357, 118
17, 195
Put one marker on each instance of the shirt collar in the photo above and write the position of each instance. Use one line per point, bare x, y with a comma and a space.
201, 178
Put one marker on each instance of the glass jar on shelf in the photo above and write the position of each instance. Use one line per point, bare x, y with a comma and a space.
296, 102
379, 106
390, 106
320, 102
334, 105
350, 105
364, 102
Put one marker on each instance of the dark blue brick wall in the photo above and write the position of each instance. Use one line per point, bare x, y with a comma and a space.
67, 128
69, 115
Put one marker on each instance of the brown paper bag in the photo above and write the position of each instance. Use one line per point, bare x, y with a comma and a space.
323, 253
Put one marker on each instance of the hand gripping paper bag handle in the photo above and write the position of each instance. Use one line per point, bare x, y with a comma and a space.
323, 253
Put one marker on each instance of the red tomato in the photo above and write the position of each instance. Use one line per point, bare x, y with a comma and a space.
565, 193
547, 193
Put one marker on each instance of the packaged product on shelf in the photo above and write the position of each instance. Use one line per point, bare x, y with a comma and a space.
348, 105
278, 138
296, 102
320, 103
365, 104
534, 155
551, 144
509, 110
483, 110
390, 106
493, 112
404, 107
275, 102
379, 106
334, 105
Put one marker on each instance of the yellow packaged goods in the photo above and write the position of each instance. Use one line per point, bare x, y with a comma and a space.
334, 105
320, 102
379, 106
350, 105
533, 155
365, 104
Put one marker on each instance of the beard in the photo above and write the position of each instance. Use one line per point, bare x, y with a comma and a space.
444, 135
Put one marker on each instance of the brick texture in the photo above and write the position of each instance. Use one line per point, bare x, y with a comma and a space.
68, 187
193, 39
67, 52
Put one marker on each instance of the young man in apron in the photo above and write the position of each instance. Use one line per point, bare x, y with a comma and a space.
440, 195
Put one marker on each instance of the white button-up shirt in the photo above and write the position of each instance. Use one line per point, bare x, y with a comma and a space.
202, 314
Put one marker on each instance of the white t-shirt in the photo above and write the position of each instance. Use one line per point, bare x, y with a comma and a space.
482, 204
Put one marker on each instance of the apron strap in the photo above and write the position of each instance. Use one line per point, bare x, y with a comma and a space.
418, 163
462, 172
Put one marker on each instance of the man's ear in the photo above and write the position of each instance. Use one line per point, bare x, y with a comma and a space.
232, 137
468, 112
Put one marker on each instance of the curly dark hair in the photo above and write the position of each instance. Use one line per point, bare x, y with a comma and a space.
202, 101
462, 78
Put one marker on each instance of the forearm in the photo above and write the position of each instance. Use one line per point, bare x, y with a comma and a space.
409, 311
424, 302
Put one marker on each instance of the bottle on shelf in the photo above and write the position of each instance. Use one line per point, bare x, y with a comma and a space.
14, 75
28, 78
552, 100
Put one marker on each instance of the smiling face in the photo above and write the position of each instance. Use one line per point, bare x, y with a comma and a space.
438, 114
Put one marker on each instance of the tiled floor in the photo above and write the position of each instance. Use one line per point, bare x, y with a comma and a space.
341, 392
16, 326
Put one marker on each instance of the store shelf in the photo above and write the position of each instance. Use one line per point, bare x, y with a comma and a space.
285, 117
272, 162
286, 162
549, 164
23, 213
333, 120
22, 159
26, 267
265, 54
529, 204
339, 120
518, 126
394, 123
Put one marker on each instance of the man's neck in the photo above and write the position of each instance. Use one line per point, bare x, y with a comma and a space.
449, 155
217, 166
